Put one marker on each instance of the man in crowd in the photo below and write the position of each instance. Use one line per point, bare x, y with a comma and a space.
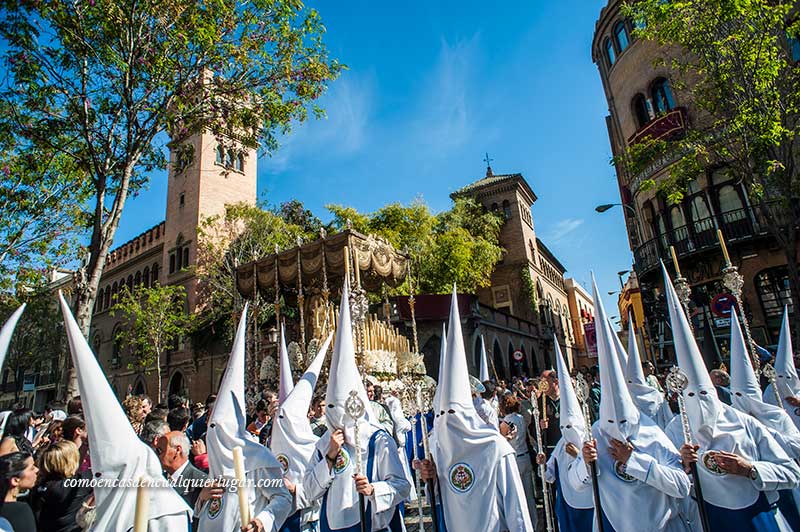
316, 416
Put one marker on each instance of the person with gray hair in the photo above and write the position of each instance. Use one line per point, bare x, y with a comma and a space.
152, 431
173, 452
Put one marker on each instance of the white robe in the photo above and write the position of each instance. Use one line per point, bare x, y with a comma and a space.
388, 480
402, 426
648, 500
794, 412
270, 505
743, 435
580, 499
486, 412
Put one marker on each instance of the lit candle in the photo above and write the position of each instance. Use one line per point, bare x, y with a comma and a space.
675, 261
238, 470
347, 263
142, 509
724, 248
358, 267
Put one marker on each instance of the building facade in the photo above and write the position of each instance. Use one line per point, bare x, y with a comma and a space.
220, 171
529, 283
644, 101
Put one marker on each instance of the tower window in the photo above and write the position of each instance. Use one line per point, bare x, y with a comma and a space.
794, 48
662, 96
610, 55
621, 35
171, 263
640, 110
506, 209
220, 159
186, 257
182, 200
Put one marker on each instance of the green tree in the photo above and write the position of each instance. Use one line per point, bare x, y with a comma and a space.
155, 320
40, 198
108, 84
461, 245
39, 337
242, 234
735, 60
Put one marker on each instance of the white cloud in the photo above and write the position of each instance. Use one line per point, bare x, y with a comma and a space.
445, 119
342, 133
564, 228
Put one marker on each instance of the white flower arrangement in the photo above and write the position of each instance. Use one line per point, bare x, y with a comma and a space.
380, 362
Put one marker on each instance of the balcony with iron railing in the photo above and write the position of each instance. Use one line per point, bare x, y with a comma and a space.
700, 235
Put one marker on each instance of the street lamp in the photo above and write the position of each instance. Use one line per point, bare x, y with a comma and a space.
272, 335
606, 206
619, 276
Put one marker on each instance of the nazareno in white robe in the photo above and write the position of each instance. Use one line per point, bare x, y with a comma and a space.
388, 480
741, 434
645, 499
582, 499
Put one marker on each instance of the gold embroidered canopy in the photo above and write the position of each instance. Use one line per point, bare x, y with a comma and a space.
320, 264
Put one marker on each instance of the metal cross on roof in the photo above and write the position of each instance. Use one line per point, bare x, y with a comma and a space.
488, 165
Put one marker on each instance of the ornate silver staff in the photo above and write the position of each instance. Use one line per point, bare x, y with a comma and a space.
582, 393
542, 385
430, 485
676, 382
355, 408
772, 376
417, 457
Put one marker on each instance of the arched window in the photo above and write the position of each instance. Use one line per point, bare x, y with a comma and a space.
699, 210
114, 291
772, 286
640, 111
621, 35
729, 199
229, 159
506, 209
494, 207
137, 279
676, 217
610, 55
146, 276
794, 48
220, 158
186, 256
662, 96
107, 297
476, 354
96, 343
130, 283
240, 162
154, 275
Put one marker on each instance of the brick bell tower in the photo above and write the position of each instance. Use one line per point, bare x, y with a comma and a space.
513, 197
206, 172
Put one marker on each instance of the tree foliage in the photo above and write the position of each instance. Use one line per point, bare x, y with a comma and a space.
154, 320
38, 337
461, 245
244, 233
107, 84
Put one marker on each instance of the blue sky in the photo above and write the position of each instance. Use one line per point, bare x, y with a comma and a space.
431, 87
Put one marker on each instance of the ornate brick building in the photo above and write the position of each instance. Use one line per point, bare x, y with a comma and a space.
644, 101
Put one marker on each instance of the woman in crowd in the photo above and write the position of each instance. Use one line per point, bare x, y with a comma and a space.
56, 504
15, 436
17, 474
74, 429
136, 411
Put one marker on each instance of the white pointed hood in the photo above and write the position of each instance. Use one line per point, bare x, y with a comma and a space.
745, 390
647, 399
465, 449
116, 451
787, 379
483, 375
619, 417
344, 378
293, 440
8, 331
437, 394
226, 428
702, 405
573, 424
285, 383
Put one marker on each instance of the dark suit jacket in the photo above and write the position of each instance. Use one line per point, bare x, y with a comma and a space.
190, 493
